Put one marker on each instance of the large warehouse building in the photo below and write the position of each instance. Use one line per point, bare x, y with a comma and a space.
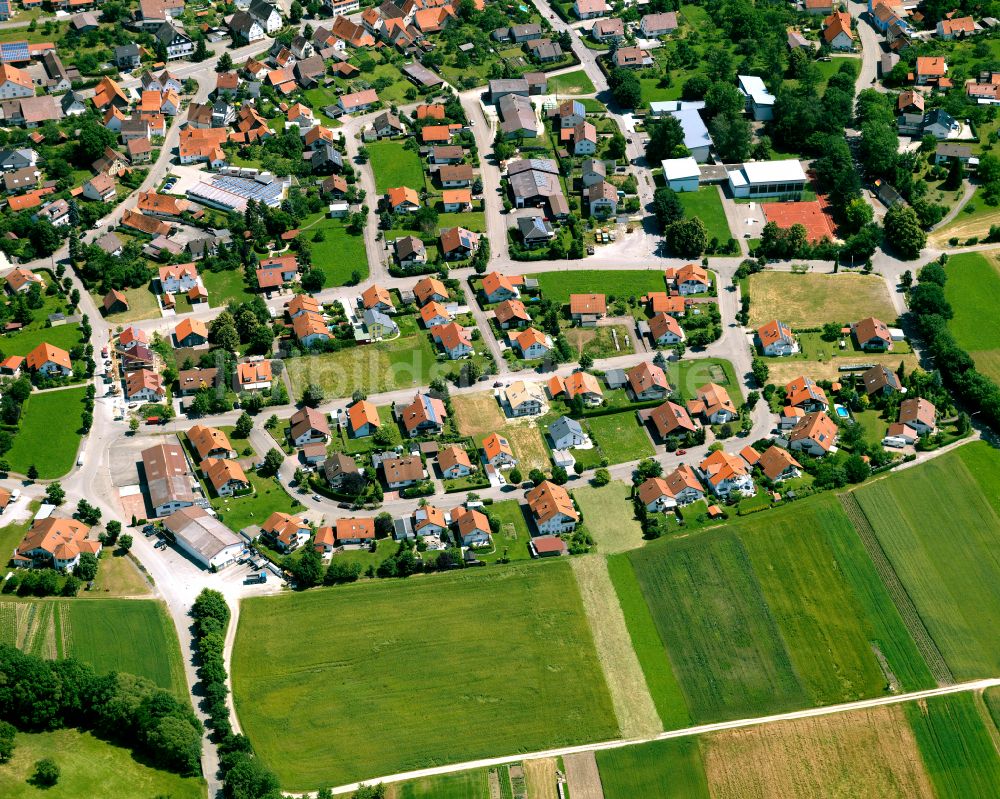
202, 536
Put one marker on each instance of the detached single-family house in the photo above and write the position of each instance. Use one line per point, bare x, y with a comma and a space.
522, 398
403, 472
177, 278
671, 419
713, 403
816, 434
454, 462
726, 474
533, 344
802, 392
191, 332
880, 380
778, 465
919, 414
49, 360
471, 527
285, 531
552, 508
425, 415
309, 426
498, 452
567, 433
588, 9
665, 329
775, 339
363, 419
647, 381
872, 335
587, 309
210, 442
226, 476
56, 544
454, 339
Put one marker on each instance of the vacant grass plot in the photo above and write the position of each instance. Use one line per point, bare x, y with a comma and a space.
687, 376
110, 634
384, 366
621, 437
864, 753
64, 336
812, 299
973, 289
939, 525
338, 253
557, 286
141, 305
706, 204
395, 166
477, 414
88, 767
504, 657
528, 445
50, 447
669, 769
575, 82
958, 751
609, 516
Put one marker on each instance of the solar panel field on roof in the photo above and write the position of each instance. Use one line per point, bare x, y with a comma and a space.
14, 52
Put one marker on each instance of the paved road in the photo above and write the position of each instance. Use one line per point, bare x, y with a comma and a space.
813, 712
871, 49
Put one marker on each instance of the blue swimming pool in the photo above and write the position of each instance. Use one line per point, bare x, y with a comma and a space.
842, 412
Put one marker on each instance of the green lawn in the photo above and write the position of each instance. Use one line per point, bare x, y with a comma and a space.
322, 680
557, 286
141, 305
620, 437
687, 376
776, 612
669, 769
268, 496
88, 766
384, 366
340, 254
973, 290
395, 166
514, 534
939, 525
226, 287
575, 82
957, 750
50, 447
21, 343
706, 204
660, 677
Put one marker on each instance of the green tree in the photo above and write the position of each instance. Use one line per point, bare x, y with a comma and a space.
272, 462
54, 494
667, 207
7, 735
687, 238
760, 370
666, 139
225, 62
32, 472
114, 528
46, 773
125, 543
133, 423
856, 470
312, 395
308, 569
601, 477
86, 567
625, 88
903, 232
243, 426
732, 137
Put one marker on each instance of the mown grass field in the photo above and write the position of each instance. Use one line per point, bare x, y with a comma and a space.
973, 290
88, 767
324, 680
939, 525
50, 447
958, 751
687, 376
339, 254
395, 166
557, 286
132, 635
621, 437
607, 512
141, 305
384, 366
463, 785
771, 614
571, 83
268, 497
706, 204
666, 769
812, 299
225, 287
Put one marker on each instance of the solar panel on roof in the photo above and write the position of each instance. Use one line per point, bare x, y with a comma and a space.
13, 52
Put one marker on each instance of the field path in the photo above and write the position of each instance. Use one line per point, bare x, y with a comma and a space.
637, 716
582, 776
599, 746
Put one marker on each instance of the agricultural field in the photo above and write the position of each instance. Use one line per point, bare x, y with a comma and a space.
754, 619
538, 680
409, 360
88, 766
132, 635
463, 785
863, 753
958, 751
973, 290
938, 524
395, 166
607, 512
620, 437
51, 448
812, 299
670, 769
706, 204
557, 286
637, 716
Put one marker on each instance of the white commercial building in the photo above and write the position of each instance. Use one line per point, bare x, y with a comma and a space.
203, 537
681, 174
696, 137
760, 102
768, 179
